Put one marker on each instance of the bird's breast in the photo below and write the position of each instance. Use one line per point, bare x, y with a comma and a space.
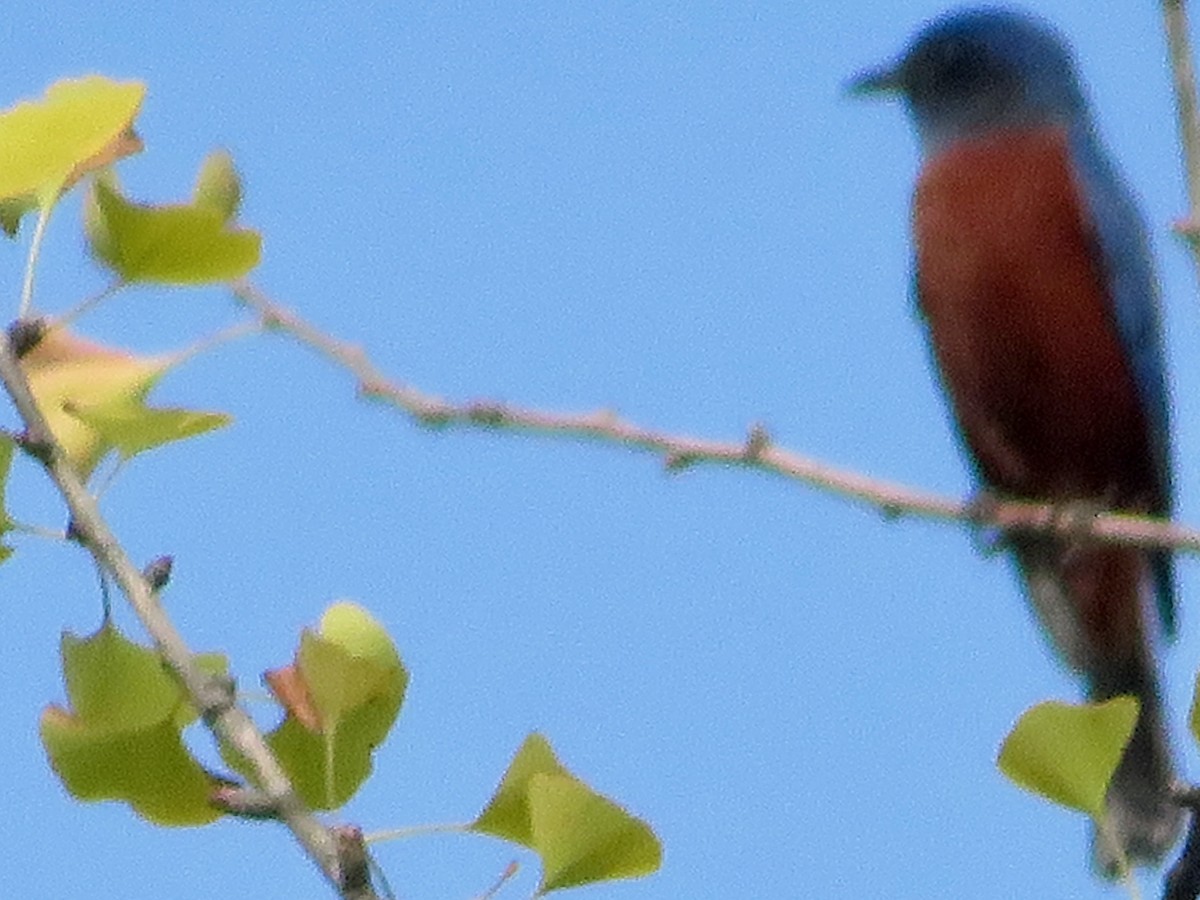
1013, 287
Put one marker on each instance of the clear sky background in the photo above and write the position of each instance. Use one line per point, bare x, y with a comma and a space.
670, 209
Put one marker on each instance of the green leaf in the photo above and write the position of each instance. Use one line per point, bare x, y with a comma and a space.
79, 125
356, 682
1068, 753
120, 739
507, 814
114, 684
338, 681
580, 835
328, 768
148, 768
218, 186
583, 837
134, 428
166, 244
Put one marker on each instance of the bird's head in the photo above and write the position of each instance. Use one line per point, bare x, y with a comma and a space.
976, 70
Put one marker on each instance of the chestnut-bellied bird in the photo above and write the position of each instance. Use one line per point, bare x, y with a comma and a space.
1035, 284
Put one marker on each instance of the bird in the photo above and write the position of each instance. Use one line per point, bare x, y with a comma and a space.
1035, 284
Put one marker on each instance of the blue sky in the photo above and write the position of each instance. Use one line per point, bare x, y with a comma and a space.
670, 209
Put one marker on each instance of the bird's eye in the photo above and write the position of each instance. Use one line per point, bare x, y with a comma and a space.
956, 61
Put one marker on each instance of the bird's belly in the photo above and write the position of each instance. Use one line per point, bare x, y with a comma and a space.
1021, 323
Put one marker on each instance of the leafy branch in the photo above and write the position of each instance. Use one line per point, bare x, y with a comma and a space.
90, 144
119, 737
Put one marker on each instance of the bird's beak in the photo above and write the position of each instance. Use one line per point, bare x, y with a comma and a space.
882, 80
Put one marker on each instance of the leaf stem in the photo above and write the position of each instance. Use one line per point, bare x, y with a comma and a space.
88, 303
35, 248
224, 336
411, 831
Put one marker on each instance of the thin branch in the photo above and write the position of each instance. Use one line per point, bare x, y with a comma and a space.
756, 452
1183, 878
1187, 111
213, 698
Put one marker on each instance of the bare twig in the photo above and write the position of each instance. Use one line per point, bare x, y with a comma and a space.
756, 452
212, 697
1186, 110
1183, 879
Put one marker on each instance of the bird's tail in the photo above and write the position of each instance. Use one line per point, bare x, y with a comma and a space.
1093, 603
1143, 817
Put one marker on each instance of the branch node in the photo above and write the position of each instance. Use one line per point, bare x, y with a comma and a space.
215, 696
272, 320
606, 418
372, 388
354, 867
25, 334
434, 418
489, 414
40, 449
756, 443
74, 533
158, 572
244, 802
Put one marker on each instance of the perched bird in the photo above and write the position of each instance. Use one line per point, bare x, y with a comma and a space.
1034, 280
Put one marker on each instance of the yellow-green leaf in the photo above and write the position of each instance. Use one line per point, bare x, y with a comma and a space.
67, 374
354, 677
338, 681
580, 835
218, 186
1067, 752
120, 739
350, 661
583, 837
507, 813
354, 629
148, 768
114, 684
166, 244
132, 427
79, 124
